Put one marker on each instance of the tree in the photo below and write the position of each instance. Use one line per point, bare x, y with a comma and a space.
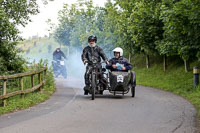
146, 27
78, 22
121, 13
105, 28
181, 24
12, 14
66, 25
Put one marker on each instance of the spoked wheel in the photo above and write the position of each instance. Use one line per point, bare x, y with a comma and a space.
93, 89
133, 91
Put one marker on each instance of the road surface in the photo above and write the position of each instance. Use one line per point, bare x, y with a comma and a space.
69, 111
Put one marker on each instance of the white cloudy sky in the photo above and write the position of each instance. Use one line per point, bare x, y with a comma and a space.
38, 26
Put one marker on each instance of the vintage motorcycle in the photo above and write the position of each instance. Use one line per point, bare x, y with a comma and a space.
116, 82
96, 79
59, 68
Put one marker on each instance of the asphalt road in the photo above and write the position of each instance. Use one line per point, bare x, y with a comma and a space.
69, 111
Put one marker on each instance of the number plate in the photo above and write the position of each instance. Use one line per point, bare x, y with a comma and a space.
120, 78
62, 63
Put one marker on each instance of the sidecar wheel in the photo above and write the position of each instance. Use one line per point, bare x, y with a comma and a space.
133, 91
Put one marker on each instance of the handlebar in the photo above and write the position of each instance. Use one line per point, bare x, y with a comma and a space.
86, 62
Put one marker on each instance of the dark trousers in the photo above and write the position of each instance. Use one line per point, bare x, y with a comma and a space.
87, 73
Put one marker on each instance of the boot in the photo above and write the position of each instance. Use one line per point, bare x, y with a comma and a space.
86, 89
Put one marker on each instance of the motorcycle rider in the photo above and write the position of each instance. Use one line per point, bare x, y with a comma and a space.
90, 52
120, 63
57, 56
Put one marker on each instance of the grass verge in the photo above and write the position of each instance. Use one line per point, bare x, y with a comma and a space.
174, 79
17, 103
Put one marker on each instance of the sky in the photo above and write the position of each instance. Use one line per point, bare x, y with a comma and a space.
38, 26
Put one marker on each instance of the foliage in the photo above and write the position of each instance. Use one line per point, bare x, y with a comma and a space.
181, 21
17, 103
78, 21
124, 22
162, 27
152, 27
12, 14
146, 27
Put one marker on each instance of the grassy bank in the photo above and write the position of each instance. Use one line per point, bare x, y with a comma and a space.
34, 50
174, 79
17, 103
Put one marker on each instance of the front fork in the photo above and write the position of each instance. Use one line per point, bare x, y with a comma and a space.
99, 82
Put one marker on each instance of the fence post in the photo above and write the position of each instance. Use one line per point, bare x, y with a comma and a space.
39, 79
4, 92
22, 86
32, 80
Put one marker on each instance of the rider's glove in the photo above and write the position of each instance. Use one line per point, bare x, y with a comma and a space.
85, 61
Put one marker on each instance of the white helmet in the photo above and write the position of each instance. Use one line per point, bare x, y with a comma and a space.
118, 49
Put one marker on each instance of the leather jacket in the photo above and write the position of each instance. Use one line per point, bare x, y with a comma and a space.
58, 55
90, 53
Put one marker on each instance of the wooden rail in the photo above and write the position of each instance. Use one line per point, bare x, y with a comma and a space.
23, 91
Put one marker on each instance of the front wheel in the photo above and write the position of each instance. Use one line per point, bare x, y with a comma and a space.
93, 85
133, 91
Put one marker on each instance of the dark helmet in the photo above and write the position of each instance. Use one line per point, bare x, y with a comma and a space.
92, 38
58, 49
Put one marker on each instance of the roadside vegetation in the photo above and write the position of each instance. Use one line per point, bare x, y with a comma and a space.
174, 79
17, 102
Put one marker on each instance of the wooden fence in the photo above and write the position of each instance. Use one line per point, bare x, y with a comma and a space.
22, 90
